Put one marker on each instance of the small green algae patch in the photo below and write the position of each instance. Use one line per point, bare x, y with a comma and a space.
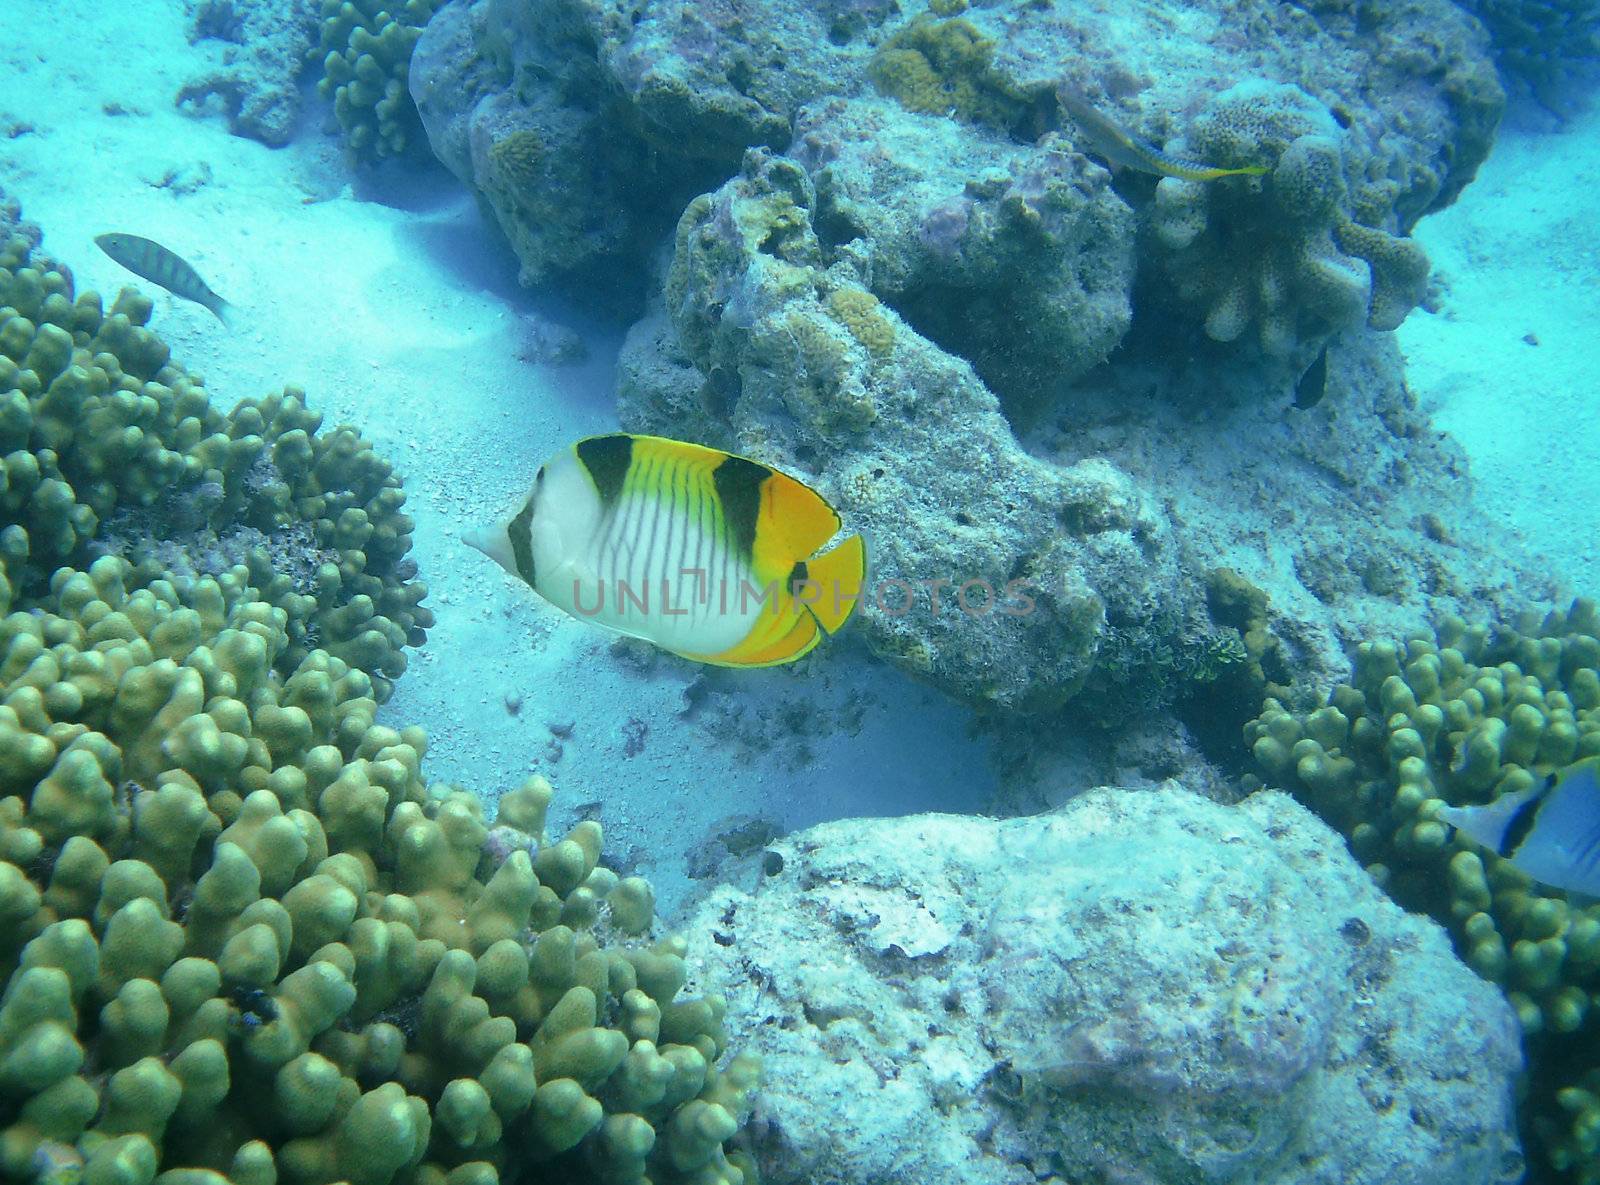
944, 67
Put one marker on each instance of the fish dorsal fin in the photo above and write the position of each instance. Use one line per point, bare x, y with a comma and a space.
795, 521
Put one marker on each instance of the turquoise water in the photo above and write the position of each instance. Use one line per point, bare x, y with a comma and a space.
1152, 403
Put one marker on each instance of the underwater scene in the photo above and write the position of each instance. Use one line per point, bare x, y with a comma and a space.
823, 592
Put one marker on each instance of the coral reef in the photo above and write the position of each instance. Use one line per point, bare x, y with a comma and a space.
748, 355
264, 44
1008, 602
365, 50
896, 268
110, 446
1543, 44
1019, 260
1312, 269
991, 1002
637, 110
1460, 716
244, 942
945, 67
647, 107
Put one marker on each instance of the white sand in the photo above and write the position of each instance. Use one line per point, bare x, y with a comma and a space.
387, 300
1510, 365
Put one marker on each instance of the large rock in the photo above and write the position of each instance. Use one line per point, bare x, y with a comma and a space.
902, 272
1142, 987
636, 105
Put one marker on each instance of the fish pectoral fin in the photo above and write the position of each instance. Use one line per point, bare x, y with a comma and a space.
835, 579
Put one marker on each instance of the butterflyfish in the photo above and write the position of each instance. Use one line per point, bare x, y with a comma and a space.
1551, 831
1122, 149
151, 261
711, 556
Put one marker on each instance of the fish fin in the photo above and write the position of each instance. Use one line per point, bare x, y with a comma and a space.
494, 542
837, 577
221, 310
1570, 817
794, 522
796, 642
697, 456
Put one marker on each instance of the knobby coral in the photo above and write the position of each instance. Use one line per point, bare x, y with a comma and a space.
242, 940
107, 445
1462, 716
366, 52
1311, 268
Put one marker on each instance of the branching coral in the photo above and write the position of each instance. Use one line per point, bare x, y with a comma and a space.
366, 53
1462, 716
109, 446
1284, 253
244, 942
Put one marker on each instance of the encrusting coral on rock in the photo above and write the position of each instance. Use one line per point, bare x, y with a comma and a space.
1143, 986
242, 940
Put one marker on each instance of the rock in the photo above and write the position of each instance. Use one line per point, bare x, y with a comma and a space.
260, 47
1145, 986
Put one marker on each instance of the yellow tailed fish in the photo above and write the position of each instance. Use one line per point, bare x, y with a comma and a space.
1122, 149
151, 261
712, 556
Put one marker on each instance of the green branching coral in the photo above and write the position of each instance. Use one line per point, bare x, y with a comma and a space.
244, 943
943, 67
107, 445
365, 52
1312, 267
1462, 716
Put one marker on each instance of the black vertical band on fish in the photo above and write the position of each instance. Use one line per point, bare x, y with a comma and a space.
149, 260
1312, 384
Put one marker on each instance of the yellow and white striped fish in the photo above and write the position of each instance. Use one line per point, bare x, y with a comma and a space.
149, 260
711, 556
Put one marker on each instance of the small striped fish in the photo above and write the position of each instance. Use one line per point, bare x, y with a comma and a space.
1122, 149
151, 261
711, 556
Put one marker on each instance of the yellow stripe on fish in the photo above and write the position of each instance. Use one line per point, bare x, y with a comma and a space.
709, 555
1121, 148
149, 260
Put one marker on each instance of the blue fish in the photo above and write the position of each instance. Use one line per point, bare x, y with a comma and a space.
1551, 831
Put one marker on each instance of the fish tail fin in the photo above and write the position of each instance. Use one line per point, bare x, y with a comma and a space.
222, 311
838, 576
